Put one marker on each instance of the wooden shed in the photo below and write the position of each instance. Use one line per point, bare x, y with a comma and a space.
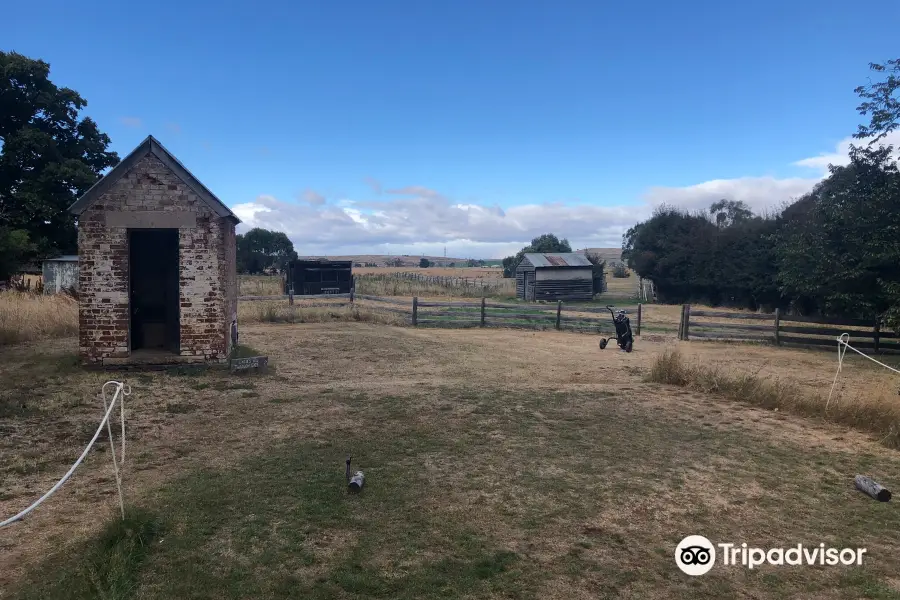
555, 276
60, 274
314, 277
157, 274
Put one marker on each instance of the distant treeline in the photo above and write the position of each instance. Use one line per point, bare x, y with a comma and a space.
835, 251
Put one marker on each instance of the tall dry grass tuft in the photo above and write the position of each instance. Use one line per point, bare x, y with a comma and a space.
260, 285
25, 316
279, 312
874, 409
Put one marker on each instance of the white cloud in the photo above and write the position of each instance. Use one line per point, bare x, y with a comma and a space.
841, 154
759, 193
418, 220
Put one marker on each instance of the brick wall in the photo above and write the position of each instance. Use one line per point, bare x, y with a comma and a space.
229, 267
206, 293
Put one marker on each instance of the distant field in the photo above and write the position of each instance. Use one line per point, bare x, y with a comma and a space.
462, 272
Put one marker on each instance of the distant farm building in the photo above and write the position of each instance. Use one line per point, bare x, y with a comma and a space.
157, 265
60, 274
555, 276
315, 277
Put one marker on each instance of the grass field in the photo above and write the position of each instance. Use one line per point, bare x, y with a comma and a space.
498, 464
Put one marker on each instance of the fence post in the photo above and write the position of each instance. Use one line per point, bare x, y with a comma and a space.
482, 310
558, 312
687, 322
681, 324
877, 332
639, 319
352, 292
415, 313
291, 296
777, 326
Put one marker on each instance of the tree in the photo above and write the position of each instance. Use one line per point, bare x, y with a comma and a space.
839, 250
881, 102
547, 242
49, 157
424, 263
726, 213
261, 250
598, 271
14, 248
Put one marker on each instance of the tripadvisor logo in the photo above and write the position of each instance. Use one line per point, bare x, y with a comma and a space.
696, 555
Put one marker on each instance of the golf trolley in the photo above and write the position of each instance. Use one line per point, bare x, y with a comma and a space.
624, 337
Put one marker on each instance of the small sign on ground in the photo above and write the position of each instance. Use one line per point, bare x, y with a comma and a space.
250, 363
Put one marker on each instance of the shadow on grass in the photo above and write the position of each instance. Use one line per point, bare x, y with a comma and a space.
108, 567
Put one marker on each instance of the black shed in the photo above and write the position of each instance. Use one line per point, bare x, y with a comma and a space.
314, 277
555, 276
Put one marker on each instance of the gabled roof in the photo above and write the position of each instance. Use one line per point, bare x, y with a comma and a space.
558, 259
152, 146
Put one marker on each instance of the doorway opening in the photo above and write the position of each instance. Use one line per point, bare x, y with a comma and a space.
154, 291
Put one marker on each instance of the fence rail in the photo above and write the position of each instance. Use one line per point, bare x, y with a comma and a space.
559, 316
863, 334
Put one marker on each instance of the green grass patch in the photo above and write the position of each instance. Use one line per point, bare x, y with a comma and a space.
108, 566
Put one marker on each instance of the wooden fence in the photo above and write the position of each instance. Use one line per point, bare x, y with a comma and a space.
559, 316
481, 313
781, 329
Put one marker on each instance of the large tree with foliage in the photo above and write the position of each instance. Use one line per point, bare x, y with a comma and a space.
49, 157
840, 250
547, 242
260, 250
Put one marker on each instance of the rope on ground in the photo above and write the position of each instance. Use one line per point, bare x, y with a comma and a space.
121, 391
843, 341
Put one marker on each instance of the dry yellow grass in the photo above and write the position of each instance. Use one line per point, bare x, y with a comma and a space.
25, 317
281, 312
554, 468
873, 406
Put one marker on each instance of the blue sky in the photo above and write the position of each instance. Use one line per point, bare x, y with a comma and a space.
498, 119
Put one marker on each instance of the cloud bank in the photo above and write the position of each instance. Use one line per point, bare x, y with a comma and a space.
418, 220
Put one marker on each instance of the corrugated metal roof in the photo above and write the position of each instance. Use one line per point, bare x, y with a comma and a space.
558, 259
66, 258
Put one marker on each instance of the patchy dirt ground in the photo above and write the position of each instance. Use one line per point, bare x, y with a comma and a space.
326, 374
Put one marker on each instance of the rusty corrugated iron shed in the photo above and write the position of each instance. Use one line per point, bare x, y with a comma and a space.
558, 259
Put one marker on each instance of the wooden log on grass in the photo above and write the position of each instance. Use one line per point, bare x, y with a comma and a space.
869, 486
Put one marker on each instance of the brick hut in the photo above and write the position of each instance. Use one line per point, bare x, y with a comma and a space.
157, 266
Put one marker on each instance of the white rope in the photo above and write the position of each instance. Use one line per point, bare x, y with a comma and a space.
117, 396
843, 341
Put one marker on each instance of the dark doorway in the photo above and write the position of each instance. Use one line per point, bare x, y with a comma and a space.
154, 299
